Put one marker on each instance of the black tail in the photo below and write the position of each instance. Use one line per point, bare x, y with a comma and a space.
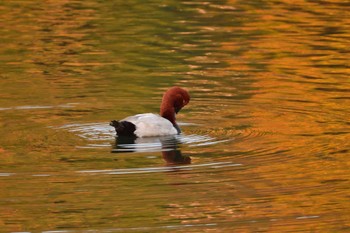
114, 123
123, 128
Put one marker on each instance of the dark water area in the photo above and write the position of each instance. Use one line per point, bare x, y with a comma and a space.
266, 137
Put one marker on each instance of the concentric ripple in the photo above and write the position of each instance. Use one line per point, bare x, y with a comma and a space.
125, 171
91, 131
100, 135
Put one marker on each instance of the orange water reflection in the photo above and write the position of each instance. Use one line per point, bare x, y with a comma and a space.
269, 80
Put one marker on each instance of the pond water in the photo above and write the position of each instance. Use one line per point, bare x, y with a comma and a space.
266, 137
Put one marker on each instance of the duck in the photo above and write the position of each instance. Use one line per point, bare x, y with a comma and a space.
153, 125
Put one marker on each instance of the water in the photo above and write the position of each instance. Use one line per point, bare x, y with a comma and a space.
266, 135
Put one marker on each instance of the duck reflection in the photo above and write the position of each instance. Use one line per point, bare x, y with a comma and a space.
168, 145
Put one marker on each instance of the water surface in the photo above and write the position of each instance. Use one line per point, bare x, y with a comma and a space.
265, 140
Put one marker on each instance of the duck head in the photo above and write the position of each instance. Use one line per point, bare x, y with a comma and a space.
174, 99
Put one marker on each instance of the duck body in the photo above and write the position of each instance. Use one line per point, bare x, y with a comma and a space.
149, 124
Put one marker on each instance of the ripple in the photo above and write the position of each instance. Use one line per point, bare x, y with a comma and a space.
102, 134
124, 171
91, 131
307, 217
6, 174
132, 229
36, 107
165, 143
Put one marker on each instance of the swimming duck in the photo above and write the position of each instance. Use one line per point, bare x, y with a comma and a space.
149, 124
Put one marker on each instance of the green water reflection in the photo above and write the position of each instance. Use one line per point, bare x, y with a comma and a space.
266, 135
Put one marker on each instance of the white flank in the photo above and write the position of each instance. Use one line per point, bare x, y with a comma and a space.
149, 125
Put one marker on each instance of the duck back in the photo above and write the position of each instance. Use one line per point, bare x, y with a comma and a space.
149, 124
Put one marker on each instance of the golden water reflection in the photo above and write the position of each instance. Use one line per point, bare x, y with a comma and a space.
269, 83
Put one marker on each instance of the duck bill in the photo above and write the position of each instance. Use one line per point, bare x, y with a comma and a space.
177, 128
177, 110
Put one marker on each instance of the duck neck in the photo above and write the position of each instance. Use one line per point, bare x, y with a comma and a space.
168, 113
